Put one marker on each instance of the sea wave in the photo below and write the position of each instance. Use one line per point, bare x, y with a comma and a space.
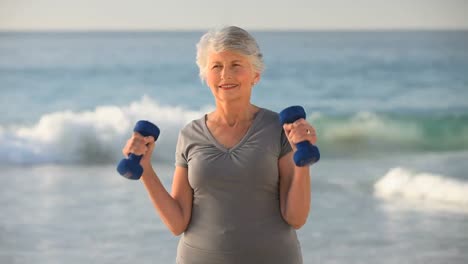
97, 135
368, 133
88, 137
422, 189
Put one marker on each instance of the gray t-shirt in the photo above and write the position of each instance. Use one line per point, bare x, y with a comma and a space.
236, 214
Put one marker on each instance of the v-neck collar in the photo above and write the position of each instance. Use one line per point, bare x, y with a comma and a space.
220, 146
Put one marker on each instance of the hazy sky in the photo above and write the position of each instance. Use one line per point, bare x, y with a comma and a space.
252, 14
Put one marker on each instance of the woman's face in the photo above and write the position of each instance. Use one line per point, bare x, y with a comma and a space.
230, 76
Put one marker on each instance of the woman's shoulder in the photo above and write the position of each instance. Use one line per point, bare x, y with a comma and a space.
194, 126
269, 115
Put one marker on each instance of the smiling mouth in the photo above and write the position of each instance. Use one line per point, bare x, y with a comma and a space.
228, 86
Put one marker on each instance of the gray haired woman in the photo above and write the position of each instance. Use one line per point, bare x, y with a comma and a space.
237, 196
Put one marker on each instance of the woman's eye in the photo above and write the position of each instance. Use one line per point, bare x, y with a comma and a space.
215, 66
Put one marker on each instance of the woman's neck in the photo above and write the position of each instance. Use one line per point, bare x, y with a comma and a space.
232, 114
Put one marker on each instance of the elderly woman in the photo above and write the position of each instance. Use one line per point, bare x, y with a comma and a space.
237, 195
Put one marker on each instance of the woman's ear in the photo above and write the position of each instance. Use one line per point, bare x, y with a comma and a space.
256, 78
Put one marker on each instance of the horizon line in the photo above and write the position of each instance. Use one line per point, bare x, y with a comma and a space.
142, 30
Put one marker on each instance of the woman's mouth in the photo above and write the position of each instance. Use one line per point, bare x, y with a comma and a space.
228, 86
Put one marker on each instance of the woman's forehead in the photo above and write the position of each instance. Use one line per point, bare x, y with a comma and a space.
226, 56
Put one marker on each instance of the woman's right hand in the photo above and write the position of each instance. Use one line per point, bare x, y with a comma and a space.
140, 145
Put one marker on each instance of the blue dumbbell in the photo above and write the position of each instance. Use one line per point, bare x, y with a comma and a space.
130, 168
306, 153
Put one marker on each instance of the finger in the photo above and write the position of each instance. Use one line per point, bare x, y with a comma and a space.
310, 131
288, 126
299, 121
294, 136
302, 133
305, 126
137, 146
313, 140
137, 139
287, 129
148, 151
151, 144
311, 135
125, 152
126, 149
136, 143
300, 128
148, 139
137, 135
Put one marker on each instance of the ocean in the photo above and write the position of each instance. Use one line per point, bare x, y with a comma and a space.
390, 109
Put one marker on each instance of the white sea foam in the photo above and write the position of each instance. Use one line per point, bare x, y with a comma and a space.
95, 136
420, 188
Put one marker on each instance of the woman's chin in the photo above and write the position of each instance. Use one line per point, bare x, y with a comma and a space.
228, 97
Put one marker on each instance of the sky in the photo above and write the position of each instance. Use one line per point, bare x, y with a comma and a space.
252, 14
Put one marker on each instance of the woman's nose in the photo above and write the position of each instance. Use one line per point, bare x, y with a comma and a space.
226, 73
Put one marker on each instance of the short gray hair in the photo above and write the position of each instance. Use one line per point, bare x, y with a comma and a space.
230, 38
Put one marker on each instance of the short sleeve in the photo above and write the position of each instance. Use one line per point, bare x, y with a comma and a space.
285, 146
181, 153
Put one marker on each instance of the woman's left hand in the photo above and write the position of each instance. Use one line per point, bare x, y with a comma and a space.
300, 131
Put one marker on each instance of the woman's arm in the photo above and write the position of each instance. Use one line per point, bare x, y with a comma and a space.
294, 183
295, 191
175, 210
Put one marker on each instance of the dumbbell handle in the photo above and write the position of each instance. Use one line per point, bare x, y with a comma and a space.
134, 157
